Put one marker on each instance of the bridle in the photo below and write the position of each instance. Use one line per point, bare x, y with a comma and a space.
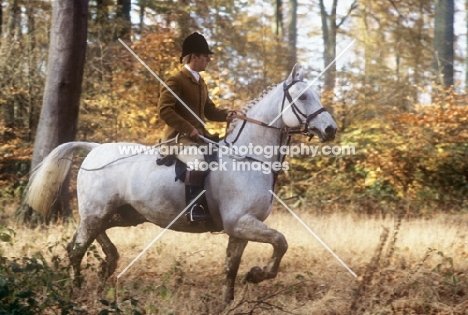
296, 109
304, 129
286, 132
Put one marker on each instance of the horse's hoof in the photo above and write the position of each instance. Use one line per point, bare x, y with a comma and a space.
255, 275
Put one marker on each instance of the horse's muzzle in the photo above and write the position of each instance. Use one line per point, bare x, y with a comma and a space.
330, 133
324, 136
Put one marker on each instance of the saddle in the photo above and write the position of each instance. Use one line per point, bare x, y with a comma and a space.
169, 160
194, 182
180, 167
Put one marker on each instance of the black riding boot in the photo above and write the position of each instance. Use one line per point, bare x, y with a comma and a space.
193, 187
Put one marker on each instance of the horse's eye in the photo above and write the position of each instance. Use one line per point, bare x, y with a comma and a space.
303, 97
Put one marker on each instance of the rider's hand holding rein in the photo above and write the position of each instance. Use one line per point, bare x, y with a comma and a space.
231, 115
194, 135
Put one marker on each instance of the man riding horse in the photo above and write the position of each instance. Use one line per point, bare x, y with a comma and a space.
190, 87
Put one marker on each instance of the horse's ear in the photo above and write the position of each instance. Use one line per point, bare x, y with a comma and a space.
297, 74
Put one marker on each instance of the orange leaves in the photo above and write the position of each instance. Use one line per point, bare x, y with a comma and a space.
15, 158
121, 103
411, 155
442, 125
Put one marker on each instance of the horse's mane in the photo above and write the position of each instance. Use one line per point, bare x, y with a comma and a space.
248, 106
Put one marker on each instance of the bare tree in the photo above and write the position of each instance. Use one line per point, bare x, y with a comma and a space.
1, 18
443, 41
330, 26
59, 114
466, 56
123, 16
293, 34
279, 17
8, 110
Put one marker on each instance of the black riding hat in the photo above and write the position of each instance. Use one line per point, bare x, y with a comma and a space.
195, 43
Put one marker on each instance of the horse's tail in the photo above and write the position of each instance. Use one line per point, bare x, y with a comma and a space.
47, 178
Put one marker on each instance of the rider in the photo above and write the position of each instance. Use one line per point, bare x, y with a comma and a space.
190, 87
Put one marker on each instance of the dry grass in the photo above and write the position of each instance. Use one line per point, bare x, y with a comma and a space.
425, 272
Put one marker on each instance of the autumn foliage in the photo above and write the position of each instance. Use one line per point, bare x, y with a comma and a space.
408, 155
415, 160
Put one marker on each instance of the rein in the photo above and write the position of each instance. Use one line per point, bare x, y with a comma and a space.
283, 131
287, 96
254, 121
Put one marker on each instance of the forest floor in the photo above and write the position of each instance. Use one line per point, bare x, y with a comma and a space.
417, 267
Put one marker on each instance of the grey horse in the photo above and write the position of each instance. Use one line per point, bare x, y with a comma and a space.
117, 188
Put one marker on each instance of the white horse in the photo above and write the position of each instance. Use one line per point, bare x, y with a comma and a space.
115, 189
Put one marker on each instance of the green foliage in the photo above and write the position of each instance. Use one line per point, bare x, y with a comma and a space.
36, 285
111, 307
33, 285
6, 235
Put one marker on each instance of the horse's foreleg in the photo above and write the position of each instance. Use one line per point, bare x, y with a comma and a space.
252, 229
234, 252
108, 265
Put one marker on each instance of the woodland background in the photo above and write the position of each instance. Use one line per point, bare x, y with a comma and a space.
396, 211
397, 96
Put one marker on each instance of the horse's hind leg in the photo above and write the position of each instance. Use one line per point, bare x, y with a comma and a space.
89, 228
124, 216
108, 265
94, 227
234, 252
251, 229
75, 260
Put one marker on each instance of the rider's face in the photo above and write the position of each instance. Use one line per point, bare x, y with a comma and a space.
200, 62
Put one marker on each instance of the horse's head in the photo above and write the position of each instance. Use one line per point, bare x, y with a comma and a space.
302, 107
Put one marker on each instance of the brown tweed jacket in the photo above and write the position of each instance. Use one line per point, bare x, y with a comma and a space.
195, 94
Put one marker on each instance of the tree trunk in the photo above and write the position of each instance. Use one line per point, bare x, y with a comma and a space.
466, 55
123, 14
279, 18
31, 45
12, 18
8, 110
329, 29
443, 42
142, 16
1, 19
293, 34
59, 114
